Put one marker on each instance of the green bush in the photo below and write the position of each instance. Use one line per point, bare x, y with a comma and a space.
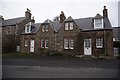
53, 53
41, 50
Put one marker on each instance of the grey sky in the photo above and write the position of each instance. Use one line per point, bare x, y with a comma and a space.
48, 9
119, 14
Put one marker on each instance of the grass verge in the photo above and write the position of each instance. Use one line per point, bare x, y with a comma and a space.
19, 55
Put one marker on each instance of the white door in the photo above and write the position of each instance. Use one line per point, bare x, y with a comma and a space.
32, 45
87, 47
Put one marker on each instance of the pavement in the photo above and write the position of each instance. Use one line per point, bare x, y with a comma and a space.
59, 67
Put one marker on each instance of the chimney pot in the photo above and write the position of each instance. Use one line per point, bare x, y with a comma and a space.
104, 7
32, 20
62, 17
28, 14
105, 12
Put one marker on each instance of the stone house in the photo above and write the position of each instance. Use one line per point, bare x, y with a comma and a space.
28, 38
11, 29
41, 36
116, 41
90, 36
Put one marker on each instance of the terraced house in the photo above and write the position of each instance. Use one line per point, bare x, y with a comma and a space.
11, 29
91, 36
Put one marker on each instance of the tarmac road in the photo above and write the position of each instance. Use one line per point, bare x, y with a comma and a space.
10, 71
59, 67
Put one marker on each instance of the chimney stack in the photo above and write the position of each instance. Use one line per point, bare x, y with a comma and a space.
28, 14
32, 20
105, 13
62, 17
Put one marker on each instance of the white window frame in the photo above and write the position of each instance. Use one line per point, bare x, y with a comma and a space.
113, 39
71, 25
116, 51
26, 43
98, 25
66, 26
99, 42
43, 28
46, 28
116, 39
28, 28
66, 43
71, 44
46, 43
87, 43
42, 42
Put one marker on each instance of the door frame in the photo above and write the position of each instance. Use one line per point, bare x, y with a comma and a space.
87, 46
32, 45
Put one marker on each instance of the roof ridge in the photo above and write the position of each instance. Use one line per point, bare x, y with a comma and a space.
84, 18
13, 18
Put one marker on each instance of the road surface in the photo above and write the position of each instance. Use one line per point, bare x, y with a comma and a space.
51, 67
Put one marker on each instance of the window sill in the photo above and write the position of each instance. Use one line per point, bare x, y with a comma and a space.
99, 47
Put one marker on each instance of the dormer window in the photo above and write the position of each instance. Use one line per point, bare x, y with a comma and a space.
44, 28
71, 25
28, 28
98, 23
68, 25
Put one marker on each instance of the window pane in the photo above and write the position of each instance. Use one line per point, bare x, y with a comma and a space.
87, 43
43, 28
66, 26
99, 42
66, 43
42, 43
98, 23
71, 44
26, 43
27, 28
46, 29
46, 43
71, 25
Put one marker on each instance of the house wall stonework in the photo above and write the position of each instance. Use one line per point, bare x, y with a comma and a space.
11, 30
70, 34
50, 36
107, 42
26, 49
60, 35
56, 41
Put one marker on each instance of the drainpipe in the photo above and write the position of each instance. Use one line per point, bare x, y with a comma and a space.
55, 40
105, 42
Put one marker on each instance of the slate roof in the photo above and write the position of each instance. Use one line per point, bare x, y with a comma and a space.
13, 21
98, 16
55, 25
84, 24
107, 23
87, 24
116, 32
69, 19
35, 26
